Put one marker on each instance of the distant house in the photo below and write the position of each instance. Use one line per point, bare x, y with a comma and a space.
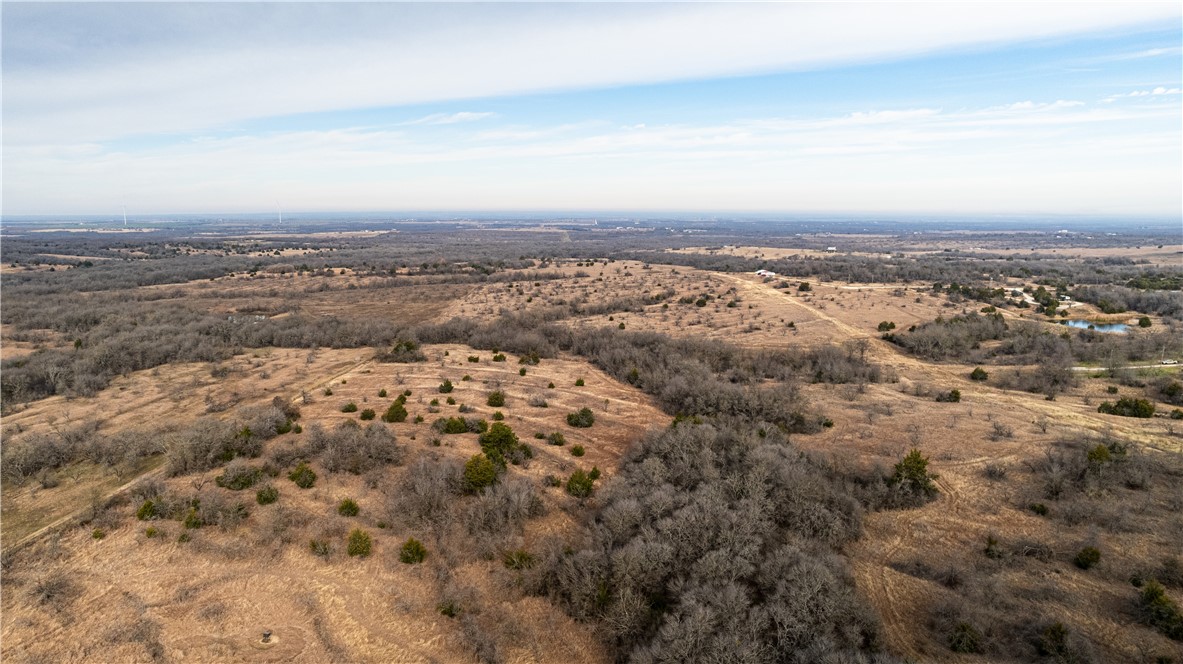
765, 273
831, 249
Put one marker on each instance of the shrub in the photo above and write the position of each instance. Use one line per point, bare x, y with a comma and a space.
238, 476
412, 552
382, 393
498, 416
351, 448
320, 547
496, 399
328, 392
404, 351
98, 533
978, 374
452, 402
500, 444
886, 326
151, 532
360, 543
804, 287
349, 408
1053, 642
1128, 407
303, 476
445, 386
1170, 572
192, 519
550, 386
395, 413
348, 507
519, 559
952, 396
1177, 414
522, 371
479, 472
998, 431
1038, 508
578, 382
965, 638
580, 484
368, 414
1087, 557
1159, 611
582, 420
1144, 321
147, 511
450, 425
474, 358
1099, 455
556, 438
537, 401
499, 357
267, 495
577, 451
992, 550
912, 476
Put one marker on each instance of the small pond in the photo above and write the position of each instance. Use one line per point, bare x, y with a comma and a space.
1119, 328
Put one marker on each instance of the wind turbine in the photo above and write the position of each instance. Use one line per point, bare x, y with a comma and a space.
125, 216
280, 212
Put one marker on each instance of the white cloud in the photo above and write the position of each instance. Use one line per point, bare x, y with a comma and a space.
1037, 107
450, 118
259, 61
1155, 92
1029, 156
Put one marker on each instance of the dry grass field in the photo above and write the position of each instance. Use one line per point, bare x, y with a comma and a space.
131, 597
209, 599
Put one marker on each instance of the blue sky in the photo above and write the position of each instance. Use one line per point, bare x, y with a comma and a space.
796, 107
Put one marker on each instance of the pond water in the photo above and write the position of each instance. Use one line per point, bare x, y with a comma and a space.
1119, 328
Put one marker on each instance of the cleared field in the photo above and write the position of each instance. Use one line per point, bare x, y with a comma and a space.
347, 295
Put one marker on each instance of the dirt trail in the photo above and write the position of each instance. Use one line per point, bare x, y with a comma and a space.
73, 516
955, 375
896, 536
160, 472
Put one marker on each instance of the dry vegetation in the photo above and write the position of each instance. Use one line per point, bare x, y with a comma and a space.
744, 500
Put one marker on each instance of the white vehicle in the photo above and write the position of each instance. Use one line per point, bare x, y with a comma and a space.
1169, 362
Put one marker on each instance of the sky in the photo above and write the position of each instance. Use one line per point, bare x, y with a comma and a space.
912, 108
